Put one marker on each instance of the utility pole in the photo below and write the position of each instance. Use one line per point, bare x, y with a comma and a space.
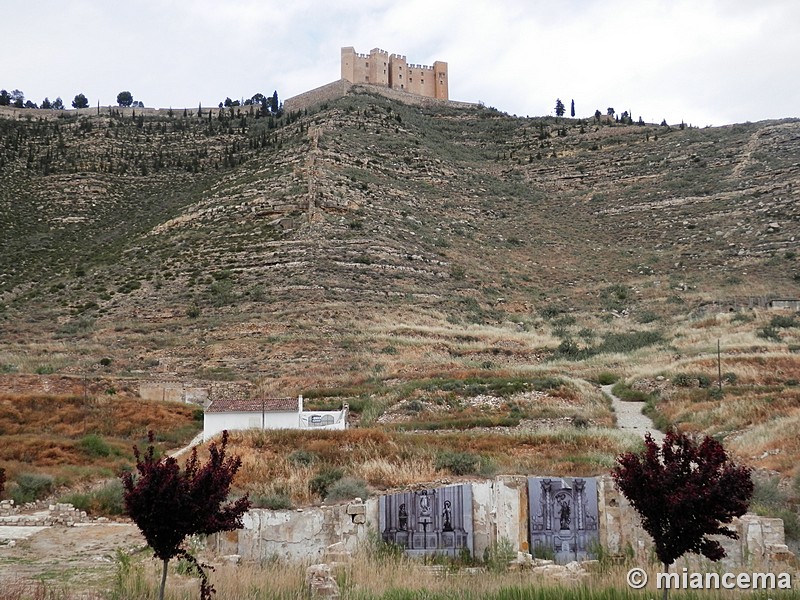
719, 366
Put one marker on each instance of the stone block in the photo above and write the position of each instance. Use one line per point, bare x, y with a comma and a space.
359, 519
356, 509
320, 582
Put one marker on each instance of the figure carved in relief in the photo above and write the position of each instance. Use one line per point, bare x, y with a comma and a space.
402, 517
446, 514
564, 513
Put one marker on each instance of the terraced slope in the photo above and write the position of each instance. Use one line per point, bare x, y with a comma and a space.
363, 242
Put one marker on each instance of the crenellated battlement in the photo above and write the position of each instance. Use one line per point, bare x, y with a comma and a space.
393, 71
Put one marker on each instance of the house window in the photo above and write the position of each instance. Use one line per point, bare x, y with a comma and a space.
320, 420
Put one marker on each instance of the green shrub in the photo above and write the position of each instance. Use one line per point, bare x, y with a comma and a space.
221, 292
105, 501
625, 392
646, 316
615, 296
499, 555
347, 488
659, 419
31, 487
257, 293
691, 380
783, 322
769, 333
322, 481
580, 421
770, 500
302, 458
607, 378
730, 378
629, 341
458, 463
272, 501
94, 445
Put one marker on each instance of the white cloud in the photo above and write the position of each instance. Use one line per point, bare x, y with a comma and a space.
704, 61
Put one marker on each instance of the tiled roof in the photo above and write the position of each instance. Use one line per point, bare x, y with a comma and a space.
221, 405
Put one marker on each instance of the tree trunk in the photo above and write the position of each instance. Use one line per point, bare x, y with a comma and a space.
164, 580
666, 587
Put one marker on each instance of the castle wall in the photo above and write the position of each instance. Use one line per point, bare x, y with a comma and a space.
339, 89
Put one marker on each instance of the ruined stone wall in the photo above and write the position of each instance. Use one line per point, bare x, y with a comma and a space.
302, 534
500, 513
37, 515
193, 392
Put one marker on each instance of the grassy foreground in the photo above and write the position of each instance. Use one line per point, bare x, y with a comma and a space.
398, 578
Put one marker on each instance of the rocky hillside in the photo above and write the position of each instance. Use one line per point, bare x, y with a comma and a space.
371, 241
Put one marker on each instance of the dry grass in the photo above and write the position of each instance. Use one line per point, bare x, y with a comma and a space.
372, 575
45, 433
389, 460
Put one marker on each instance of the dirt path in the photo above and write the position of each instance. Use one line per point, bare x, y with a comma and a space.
81, 557
630, 417
197, 440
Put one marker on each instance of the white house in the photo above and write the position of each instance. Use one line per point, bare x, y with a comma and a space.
236, 414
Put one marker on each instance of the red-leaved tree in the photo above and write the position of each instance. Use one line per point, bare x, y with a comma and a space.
168, 504
684, 492
2, 481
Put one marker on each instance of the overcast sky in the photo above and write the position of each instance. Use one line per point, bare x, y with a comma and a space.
706, 62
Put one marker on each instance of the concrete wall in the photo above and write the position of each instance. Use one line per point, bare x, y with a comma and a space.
500, 512
214, 423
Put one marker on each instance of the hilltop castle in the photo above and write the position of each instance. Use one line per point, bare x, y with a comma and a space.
384, 74
393, 71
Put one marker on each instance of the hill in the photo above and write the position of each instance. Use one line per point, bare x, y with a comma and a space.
409, 259
371, 212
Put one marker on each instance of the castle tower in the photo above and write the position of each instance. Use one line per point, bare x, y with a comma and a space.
440, 77
379, 68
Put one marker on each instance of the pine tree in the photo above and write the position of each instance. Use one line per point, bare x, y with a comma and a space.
560, 108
